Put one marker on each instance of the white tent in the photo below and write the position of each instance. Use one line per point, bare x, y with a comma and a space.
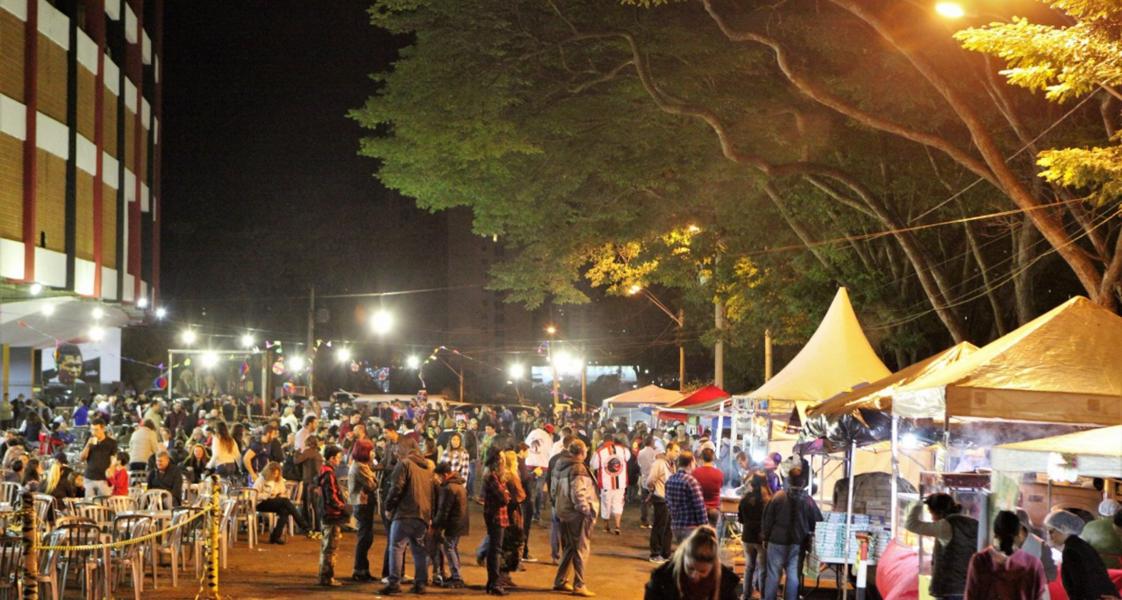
648, 394
1093, 453
835, 359
1062, 367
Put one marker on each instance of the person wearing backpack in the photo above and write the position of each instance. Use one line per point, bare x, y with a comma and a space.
788, 521
336, 512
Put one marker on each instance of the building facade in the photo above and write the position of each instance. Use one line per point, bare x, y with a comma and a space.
80, 110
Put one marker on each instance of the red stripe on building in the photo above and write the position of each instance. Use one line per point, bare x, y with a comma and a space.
31, 102
95, 17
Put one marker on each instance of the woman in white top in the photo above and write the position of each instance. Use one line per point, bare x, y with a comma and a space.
272, 497
224, 457
289, 420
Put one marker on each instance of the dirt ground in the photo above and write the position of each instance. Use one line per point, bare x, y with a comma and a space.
618, 569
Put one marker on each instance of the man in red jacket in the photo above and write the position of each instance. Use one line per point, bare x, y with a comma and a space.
335, 512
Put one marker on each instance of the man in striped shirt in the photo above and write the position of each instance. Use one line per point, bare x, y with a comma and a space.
610, 464
683, 497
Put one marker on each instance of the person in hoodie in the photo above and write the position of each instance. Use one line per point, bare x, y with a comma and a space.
409, 503
336, 513
450, 521
362, 489
310, 462
574, 499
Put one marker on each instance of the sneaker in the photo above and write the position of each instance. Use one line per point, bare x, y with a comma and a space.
385, 581
529, 559
616, 532
565, 587
655, 559
418, 589
390, 589
455, 584
644, 526
498, 591
362, 577
584, 591
330, 582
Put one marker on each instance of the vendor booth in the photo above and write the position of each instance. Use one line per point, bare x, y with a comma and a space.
638, 404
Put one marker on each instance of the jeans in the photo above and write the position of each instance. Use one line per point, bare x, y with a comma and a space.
408, 532
332, 535
755, 566
539, 495
555, 539
283, 509
386, 553
364, 515
527, 522
98, 487
494, 552
782, 557
660, 528
644, 506
576, 545
450, 551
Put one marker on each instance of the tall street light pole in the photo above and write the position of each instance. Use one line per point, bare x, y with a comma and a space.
679, 319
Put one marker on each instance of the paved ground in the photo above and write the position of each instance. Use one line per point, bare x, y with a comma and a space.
618, 569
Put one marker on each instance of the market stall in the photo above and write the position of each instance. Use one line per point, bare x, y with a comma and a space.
638, 404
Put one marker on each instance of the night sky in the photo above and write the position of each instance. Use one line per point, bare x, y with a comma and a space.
263, 192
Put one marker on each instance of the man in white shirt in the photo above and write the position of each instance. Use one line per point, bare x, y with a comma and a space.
311, 423
610, 465
645, 459
540, 442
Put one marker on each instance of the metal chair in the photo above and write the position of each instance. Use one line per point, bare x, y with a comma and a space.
127, 527
43, 504
11, 566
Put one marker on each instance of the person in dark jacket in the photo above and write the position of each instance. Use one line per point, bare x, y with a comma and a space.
311, 462
788, 521
750, 514
956, 539
496, 499
694, 572
336, 512
1082, 570
450, 521
388, 463
166, 476
410, 503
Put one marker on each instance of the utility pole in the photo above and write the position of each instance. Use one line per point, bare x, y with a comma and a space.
584, 387
461, 375
681, 350
767, 354
719, 347
311, 340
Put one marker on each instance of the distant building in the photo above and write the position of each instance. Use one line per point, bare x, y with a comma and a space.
80, 110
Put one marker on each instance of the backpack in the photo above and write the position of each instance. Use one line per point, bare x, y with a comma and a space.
289, 469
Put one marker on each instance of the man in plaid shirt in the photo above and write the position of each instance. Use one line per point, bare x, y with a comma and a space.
684, 499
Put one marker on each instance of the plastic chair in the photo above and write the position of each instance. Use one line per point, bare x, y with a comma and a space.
121, 503
246, 512
102, 515
11, 566
10, 493
157, 500
127, 527
183, 537
88, 562
296, 494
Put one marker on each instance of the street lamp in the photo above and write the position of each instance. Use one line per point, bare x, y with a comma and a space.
296, 363
413, 362
381, 322
209, 360
551, 329
161, 312
679, 319
516, 371
950, 10
188, 336
247, 340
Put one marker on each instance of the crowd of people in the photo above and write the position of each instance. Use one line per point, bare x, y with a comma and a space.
414, 470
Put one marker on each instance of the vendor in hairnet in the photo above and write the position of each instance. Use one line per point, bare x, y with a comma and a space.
1081, 570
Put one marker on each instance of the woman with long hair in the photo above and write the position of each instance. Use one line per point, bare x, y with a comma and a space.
33, 475
694, 571
195, 465
1003, 571
224, 452
496, 499
512, 539
751, 516
457, 457
272, 497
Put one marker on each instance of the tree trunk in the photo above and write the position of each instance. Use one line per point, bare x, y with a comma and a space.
1025, 237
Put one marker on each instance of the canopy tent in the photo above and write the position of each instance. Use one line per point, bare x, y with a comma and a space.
709, 397
649, 394
1093, 453
1062, 367
878, 395
835, 359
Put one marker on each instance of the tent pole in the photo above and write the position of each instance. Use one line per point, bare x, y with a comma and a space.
852, 450
893, 503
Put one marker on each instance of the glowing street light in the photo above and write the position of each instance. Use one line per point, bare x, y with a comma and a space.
296, 364
35, 289
551, 329
97, 313
142, 303
247, 340
47, 310
567, 363
209, 360
381, 322
188, 336
516, 371
413, 362
634, 289
96, 333
343, 355
161, 312
950, 10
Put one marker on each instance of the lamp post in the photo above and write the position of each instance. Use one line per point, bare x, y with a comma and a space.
679, 319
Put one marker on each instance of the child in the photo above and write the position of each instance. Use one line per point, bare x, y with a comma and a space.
336, 513
118, 474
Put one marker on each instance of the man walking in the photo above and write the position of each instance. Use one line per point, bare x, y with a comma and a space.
410, 501
684, 499
660, 471
610, 464
574, 500
788, 522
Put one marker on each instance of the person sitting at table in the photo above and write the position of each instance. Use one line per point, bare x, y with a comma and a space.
118, 474
272, 497
32, 476
194, 468
166, 476
61, 480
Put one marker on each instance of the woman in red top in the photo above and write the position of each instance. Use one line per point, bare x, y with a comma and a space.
1000, 572
118, 474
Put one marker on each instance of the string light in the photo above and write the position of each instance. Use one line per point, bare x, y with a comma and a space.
247, 340
381, 322
343, 355
413, 362
189, 336
161, 312
209, 360
296, 364
516, 371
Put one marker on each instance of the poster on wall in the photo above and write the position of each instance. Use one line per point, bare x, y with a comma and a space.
69, 374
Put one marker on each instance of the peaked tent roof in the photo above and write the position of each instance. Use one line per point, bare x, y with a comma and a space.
878, 395
836, 358
1062, 367
701, 398
1097, 452
648, 394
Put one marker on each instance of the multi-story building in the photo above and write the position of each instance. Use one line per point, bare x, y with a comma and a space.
80, 89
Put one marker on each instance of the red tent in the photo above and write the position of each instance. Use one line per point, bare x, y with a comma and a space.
706, 397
